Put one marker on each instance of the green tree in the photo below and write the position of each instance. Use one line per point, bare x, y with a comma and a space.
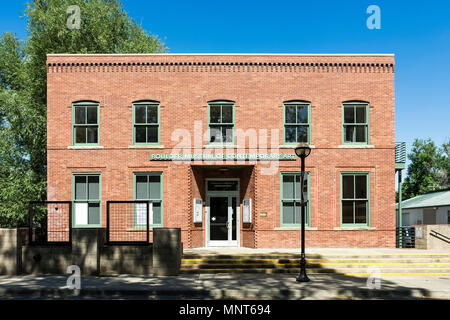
428, 169
104, 27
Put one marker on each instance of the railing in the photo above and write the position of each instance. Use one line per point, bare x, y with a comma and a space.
440, 236
128, 222
405, 237
50, 222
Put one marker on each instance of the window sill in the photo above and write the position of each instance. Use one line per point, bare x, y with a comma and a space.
292, 146
141, 229
294, 228
356, 146
149, 146
85, 147
354, 228
220, 146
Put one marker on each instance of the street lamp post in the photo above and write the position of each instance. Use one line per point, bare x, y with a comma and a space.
302, 151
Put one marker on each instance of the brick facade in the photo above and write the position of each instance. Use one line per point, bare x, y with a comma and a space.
258, 84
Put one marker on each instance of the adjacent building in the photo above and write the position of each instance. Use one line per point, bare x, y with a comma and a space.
208, 139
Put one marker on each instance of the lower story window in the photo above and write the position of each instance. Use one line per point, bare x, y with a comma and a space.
355, 199
86, 197
148, 187
291, 199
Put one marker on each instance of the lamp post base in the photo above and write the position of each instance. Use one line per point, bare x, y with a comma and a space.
302, 277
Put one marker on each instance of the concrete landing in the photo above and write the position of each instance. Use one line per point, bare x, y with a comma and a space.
320, 251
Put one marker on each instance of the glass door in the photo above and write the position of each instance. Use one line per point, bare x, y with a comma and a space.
222, 212
218, 218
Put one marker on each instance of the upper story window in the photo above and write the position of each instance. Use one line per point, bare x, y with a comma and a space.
146, 122
297, 122
85, 123
355, 122
221, 122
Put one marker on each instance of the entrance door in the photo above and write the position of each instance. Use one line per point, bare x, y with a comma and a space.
222, 228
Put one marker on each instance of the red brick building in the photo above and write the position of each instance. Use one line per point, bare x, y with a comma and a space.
144, 127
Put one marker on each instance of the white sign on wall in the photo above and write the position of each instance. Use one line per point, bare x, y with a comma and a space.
141, 213
198, 214
81, 213
247, 211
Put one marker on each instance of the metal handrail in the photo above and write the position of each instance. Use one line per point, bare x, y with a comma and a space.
437, 234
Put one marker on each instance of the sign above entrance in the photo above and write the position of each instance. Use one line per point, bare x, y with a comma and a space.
222, 156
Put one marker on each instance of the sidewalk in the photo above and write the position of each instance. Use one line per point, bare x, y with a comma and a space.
223, 286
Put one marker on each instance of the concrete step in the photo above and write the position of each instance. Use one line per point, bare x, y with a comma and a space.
428, 264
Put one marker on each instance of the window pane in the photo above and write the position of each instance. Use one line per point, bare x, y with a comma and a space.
216, 133
227, 114
152, 114
297, 186
361, 134
298, 213
288, 186
214, 114
302, 134
156, 212
302, 114
360, 211
94, 187
152, 134
94, 213
349, 114
80, 135
288, 212
139, 114
290, 133
91, 115
140, 134
141, 188
361, 187
361, 115
348, 187
80, 188
92, 134
227, 133
155, 187
347, 211
290, 114
80, 115
348, 131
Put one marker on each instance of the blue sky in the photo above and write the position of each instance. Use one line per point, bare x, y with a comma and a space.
417, 32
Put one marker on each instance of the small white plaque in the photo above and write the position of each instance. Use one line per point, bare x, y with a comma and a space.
198, 206
247, 211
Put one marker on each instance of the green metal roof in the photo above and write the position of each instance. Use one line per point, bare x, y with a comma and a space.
432, 199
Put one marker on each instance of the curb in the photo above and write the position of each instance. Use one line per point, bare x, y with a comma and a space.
272, 294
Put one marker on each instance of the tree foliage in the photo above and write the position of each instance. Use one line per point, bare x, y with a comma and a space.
105, 27
429, 169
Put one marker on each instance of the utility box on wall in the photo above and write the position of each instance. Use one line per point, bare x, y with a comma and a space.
247, 211
198, 210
